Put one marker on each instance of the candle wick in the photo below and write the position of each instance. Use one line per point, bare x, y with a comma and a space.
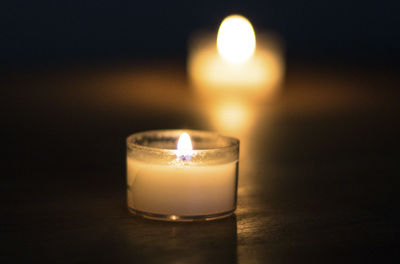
185, 157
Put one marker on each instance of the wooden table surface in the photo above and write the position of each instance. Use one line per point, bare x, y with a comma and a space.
317, 178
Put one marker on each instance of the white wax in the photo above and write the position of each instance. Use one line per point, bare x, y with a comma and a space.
182, 190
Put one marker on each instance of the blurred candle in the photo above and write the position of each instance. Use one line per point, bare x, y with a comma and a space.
235, 63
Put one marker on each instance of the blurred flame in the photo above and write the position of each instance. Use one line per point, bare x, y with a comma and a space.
184, 147
236, 41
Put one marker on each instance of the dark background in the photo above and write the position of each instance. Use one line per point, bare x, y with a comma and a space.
70, 32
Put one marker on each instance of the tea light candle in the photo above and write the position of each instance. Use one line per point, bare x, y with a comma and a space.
235, 63
182, 175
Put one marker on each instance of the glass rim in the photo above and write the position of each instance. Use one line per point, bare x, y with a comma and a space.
233, 143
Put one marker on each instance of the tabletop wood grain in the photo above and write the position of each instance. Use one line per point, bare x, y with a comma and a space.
317, 179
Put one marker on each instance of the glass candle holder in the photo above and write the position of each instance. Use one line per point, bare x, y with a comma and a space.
165, 184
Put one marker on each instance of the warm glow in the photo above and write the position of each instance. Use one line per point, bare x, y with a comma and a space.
184, 147
236, 40
232, 118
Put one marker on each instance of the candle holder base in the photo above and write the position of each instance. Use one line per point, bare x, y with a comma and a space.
177, 218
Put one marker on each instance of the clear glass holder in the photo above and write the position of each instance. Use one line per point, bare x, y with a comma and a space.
164, 185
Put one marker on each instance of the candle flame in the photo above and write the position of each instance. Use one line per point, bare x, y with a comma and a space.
236, 41
184, 147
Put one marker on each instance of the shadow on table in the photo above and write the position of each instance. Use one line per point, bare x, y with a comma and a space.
198, 242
